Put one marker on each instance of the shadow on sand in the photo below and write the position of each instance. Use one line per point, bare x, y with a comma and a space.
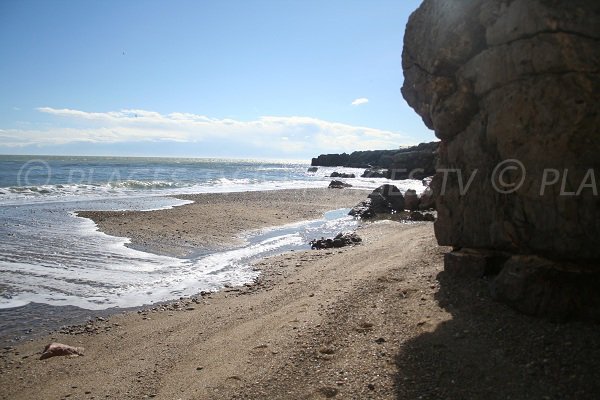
488, 351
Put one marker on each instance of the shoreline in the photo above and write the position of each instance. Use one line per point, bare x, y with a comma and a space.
215, 221
226, 226
378, 320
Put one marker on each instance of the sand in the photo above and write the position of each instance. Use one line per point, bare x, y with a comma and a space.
380, 320
214, 221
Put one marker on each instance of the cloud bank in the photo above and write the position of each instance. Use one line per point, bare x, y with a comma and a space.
290, 135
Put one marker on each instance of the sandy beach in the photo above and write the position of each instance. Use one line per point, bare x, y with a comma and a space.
215, 220
380, 320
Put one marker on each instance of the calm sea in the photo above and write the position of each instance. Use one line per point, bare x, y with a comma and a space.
49, 255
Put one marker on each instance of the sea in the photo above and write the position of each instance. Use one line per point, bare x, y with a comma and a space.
49, 256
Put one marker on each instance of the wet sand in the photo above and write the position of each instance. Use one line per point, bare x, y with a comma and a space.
214, 221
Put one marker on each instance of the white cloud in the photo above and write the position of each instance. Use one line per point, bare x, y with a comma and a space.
359, 101
292, 134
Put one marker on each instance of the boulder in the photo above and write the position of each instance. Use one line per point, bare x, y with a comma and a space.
411, 200
313, 169
386, 198
427, 201
538, 286
511, 88
363, 210
418, 216
374, 173
338, 185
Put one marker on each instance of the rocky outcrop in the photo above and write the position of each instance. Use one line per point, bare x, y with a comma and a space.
414, 162
387, 199
335, 184
341, 175
511, 87
374, 173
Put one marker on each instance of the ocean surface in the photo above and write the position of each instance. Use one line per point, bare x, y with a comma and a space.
50, 256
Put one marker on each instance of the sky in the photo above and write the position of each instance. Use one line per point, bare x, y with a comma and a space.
284, 79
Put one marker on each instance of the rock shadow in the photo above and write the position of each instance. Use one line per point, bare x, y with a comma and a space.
489, 351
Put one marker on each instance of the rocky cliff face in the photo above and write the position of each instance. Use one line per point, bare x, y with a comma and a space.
419, 160
511, 87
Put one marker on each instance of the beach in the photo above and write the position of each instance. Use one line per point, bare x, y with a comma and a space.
378, 320
214, 221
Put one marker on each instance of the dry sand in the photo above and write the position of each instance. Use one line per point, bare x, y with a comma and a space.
380, 320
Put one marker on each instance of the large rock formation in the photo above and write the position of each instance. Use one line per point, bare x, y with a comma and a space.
512, 89
415, 162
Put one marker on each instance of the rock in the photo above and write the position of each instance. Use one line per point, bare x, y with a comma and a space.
341, 175
416, 161
419, 216
313, 169
558, 291
411, 200
427, 201
513, 80
363, 210
374, 173
338, 185
473, 263
386, 198
59, 349
331, 160
341, 240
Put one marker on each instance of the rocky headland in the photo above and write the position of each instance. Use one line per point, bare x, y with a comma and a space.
512, 90
415, 162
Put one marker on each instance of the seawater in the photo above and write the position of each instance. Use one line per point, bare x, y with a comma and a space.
48, 255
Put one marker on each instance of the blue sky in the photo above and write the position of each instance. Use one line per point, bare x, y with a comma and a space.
263, 79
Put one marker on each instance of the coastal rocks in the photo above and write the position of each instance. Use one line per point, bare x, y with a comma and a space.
386, 199
411, 200
419, 216
331, 160
338, 184
312, 169
374, 173
427, 201
341, 240
511, 88
59, 349
414, 162
342, 175
363, 210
